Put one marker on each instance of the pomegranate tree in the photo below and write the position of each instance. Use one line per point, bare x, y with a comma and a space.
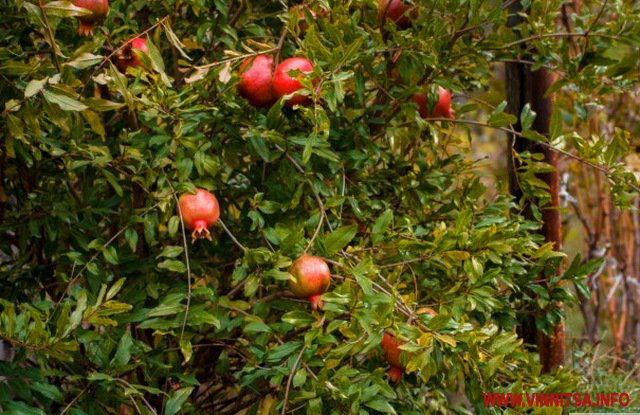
255, 81
442, 109
284, 84
311, 278
199, 211
99, 10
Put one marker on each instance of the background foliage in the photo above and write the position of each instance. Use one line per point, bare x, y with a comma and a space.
106, 306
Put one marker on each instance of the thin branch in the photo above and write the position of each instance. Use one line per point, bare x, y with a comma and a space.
52, 40
565, 153
186, 258
554, 35
323, 212
233, 238
280, 44
293, 370
74, 400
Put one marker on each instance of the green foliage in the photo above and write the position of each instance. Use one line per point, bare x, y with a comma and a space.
106, 303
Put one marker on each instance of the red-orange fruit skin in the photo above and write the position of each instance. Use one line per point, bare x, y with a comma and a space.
129, 56
199, 212
398, 11
256, 75
312, 278
391, 351
285, 84
99, 10
442, 108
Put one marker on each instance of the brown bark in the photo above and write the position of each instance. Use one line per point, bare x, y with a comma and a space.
525, 86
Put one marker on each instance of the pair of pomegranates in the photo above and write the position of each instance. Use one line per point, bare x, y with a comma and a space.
311, 273
128, 55
261, 85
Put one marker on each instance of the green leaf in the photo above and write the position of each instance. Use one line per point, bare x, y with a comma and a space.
381, 225
381, 405
173, 265
526, 117
339, 238
49, 391
115, 288
64, 102
171, 251
177, 399
85, 60
123, 352
65, 9
35, 86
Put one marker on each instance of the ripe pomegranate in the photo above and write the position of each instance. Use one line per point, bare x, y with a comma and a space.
128, 56
99, 10
255, 81
398, 11
199, 212
284, 84
312, 278
390, 346
392, 353
442, 108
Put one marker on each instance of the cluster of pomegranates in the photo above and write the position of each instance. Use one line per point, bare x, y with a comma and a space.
128, 54
262, 85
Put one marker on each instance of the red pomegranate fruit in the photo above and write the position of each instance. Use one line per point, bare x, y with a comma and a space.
311, 278
199, 212
128, 56
398, 11
255, 81
285, 84
99, 10
442, 108
390, 346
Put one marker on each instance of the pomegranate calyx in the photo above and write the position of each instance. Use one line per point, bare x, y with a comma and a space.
316, 302
85, 29
200, 231
395, 373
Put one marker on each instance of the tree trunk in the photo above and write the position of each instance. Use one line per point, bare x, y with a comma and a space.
526, 86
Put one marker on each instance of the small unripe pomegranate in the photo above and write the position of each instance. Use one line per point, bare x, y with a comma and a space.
255, 81
199, 212
99, 10
311, 278
128, 56
442, 108
398, 11
284, 84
